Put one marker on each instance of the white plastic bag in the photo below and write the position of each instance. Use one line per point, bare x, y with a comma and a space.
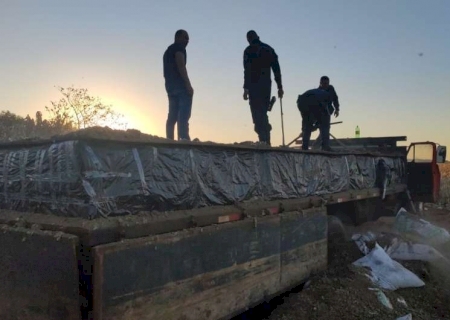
387, 273
400, 250
361, 239
431, 234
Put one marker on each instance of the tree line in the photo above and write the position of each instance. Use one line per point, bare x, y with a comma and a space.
75, 110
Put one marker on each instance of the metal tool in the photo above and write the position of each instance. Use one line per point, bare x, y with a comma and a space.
282, 124
314, 129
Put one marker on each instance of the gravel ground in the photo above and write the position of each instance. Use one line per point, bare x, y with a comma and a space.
342, 293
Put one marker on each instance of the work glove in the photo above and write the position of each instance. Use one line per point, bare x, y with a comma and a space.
280, 93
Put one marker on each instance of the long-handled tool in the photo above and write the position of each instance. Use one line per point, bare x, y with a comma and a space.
319, 137
282, 124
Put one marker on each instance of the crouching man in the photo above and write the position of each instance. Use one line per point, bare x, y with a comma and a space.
316, 107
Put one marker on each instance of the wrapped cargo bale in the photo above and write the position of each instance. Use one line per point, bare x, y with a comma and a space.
83, 176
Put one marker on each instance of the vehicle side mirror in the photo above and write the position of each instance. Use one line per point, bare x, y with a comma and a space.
441, 154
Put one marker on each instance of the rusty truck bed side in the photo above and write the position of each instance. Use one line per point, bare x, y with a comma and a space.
210, 272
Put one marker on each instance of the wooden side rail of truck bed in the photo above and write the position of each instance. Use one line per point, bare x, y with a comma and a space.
95, 232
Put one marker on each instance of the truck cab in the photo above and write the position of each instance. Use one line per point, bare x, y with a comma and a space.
423, 174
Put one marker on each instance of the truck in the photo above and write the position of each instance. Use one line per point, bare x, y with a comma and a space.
102, 228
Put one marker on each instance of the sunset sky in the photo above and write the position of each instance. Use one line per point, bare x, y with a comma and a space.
388, 60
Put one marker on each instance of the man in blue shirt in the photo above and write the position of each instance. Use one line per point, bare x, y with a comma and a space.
259, 60
178, 87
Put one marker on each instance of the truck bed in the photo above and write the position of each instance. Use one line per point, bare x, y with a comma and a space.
129, 229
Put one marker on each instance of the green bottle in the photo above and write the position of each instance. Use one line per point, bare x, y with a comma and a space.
357, 132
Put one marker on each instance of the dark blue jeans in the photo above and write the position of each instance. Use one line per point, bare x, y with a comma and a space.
322, 120
180, 105
259, 99
325, 131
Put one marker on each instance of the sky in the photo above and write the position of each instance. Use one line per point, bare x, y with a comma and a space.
389, 61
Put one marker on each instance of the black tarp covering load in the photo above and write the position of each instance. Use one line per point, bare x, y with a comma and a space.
88, 178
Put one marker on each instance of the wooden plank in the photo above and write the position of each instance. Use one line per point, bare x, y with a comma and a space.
39, 275
368, 141
190, 274
103, 231
373, 149
394, 151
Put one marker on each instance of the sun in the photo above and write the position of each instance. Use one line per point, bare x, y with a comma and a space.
131, 117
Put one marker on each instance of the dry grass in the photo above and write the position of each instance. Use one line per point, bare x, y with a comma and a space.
445, 184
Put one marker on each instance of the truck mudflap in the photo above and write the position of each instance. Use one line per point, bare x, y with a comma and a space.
38, 275
212, 272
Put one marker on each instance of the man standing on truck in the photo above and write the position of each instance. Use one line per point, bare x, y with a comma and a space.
259, 59
316, 107
178, 87
332, 107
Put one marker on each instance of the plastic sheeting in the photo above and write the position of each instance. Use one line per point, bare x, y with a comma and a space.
88, 178
387, 273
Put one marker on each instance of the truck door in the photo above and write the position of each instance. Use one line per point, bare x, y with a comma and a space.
424, 177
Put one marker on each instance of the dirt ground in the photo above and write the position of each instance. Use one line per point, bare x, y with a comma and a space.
342, 292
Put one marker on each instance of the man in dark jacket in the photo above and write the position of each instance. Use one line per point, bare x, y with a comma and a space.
259, 60
332, 107
316, 107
